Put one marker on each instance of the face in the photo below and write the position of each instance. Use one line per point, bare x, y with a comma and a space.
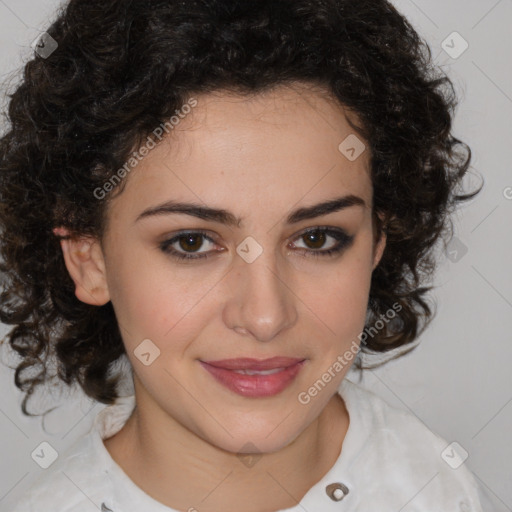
271, 278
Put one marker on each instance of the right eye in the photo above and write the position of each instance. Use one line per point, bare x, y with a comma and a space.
178, 246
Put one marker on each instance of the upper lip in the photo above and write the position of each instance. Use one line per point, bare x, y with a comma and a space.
245, 363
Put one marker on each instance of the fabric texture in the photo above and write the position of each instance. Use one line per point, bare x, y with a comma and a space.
389, 462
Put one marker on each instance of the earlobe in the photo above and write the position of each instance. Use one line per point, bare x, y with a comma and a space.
84, 261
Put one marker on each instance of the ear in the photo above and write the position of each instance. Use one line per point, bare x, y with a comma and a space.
84, 260
380, 244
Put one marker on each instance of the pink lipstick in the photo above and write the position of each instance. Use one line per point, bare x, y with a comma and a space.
255, 377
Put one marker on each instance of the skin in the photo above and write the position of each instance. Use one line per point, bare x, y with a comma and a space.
260, 158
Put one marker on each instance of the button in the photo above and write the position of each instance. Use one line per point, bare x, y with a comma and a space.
336, 491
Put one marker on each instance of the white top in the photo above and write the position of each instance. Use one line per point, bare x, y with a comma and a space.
389, 462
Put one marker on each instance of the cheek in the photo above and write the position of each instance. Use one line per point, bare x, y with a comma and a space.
351, 290
341, 309
157, 300
339, 299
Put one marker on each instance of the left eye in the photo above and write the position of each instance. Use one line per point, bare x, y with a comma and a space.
316, 238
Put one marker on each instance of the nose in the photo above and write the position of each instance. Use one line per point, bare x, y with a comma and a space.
262, 303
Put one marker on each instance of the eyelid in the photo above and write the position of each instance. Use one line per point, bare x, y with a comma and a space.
321, 228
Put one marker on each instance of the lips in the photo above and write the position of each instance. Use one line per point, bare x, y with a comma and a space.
255, 378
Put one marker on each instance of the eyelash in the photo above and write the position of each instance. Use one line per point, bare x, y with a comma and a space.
343, 239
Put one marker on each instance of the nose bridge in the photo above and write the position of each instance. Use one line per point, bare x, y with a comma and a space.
261, 302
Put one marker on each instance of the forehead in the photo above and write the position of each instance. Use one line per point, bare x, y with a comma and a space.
278, 146
288, 111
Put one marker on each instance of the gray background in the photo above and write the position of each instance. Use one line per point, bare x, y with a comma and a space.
458, 381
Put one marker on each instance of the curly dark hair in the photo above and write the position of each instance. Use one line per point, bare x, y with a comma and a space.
122, 68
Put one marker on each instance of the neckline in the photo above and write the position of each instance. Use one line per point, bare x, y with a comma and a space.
124, 492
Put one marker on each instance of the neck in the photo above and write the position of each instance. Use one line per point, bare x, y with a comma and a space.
181, 470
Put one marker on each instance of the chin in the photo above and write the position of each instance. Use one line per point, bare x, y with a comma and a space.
242, 440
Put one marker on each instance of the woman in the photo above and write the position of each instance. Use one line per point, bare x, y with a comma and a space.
241, 199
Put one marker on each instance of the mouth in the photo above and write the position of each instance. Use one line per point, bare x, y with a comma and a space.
255, 378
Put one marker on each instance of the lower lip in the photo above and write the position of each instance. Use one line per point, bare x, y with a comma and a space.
255, 385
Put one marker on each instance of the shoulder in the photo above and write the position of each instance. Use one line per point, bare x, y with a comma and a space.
397, 429
75, 482
80, 478
402, 455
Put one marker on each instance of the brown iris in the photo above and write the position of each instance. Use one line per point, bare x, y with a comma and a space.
192, 241
316, 237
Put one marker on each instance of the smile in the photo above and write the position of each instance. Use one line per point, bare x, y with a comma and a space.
255, 378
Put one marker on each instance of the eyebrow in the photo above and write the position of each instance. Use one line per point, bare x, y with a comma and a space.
226, 217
